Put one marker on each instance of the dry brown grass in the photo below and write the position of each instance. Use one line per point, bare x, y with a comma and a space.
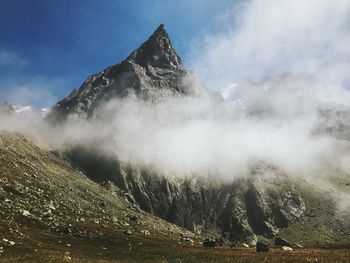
155, 251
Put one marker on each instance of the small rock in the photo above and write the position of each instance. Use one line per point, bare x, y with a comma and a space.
47, 213
51, 206
67, 258
145, 232
245, 245
133, 218
285, 248
26, 213
187, 239
9, 242
128, 232
115, 219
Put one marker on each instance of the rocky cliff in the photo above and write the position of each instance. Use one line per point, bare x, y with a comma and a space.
152, 72
262, 203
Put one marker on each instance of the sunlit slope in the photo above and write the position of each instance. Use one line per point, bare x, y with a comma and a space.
48, 207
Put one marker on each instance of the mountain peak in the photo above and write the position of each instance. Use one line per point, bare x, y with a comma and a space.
160, 30
152, 72
157, 51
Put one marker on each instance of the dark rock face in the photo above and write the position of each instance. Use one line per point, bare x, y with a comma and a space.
152, 72
261, 204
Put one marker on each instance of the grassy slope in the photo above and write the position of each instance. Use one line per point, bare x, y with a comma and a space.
323, 223
83, 214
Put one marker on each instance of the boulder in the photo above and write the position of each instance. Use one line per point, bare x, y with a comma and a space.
286, 248
282, 242
209, 242
262, 247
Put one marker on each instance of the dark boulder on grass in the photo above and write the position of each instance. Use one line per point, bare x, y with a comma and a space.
209, 242
282, 242
262, 247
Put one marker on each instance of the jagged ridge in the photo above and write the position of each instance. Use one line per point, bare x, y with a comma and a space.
152, 72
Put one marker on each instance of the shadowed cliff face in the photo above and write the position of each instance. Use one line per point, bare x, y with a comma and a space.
260, 204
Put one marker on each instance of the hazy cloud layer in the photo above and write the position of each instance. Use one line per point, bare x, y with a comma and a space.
36, 91
272, 37
188, 136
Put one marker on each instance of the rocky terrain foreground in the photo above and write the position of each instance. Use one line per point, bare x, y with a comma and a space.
51, 212
46, 205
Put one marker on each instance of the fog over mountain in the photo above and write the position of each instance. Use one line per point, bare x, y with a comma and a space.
277, 118
254, 141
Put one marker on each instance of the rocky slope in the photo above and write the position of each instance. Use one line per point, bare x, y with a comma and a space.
51, 212
46, 205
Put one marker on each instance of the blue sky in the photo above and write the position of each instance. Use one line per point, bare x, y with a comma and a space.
47, 48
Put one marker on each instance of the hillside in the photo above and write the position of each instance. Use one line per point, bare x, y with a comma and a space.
50, 209
52, 213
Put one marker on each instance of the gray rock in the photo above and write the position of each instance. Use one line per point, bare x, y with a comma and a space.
286, 248
128, 232
153, 72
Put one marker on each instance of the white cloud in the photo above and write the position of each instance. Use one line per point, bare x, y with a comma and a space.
11, 60
36, 91
271, 37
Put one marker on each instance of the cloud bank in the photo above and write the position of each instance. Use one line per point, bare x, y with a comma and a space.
263, 37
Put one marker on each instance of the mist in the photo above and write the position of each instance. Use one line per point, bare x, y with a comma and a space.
271, 117
189, 136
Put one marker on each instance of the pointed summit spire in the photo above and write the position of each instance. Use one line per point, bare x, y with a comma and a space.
157, 51
160, 30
